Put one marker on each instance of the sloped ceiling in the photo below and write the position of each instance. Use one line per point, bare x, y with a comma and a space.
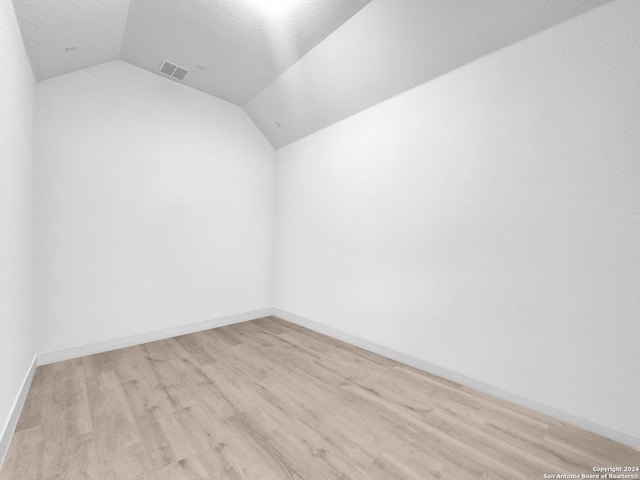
62, 36
296, 68
389, 47
240, 46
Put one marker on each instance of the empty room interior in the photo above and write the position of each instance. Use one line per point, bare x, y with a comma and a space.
319, 239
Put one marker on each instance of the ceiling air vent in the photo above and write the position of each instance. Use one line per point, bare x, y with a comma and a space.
180, 73
172, 70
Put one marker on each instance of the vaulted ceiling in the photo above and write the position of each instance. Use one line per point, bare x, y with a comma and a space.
296, 66
232, 48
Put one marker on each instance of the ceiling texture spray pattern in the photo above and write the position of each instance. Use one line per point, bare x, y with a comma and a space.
295, 66
233, 48
62, 36
240, 47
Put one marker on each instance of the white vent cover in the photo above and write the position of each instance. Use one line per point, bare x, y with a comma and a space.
180, 73
172, 70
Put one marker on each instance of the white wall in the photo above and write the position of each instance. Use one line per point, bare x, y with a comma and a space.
488, 221
153, 205
16, 132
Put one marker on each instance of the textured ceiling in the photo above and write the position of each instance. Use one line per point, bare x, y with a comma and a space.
242, 45
95, 27
297, 68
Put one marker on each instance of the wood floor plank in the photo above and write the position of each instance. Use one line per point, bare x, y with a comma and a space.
113, 425
386, 466
130, 463
24, 457
72, 458
162, 438
209, 437
189, 468
270, 400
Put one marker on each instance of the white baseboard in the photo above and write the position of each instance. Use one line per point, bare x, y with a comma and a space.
44, 358
52, 356
16, 409
596, 428
76, 351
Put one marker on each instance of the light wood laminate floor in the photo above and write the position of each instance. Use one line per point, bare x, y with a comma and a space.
270, 400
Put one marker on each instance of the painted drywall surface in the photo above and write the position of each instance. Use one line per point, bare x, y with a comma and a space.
16, 132
488, 221
388, 47
153, 207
